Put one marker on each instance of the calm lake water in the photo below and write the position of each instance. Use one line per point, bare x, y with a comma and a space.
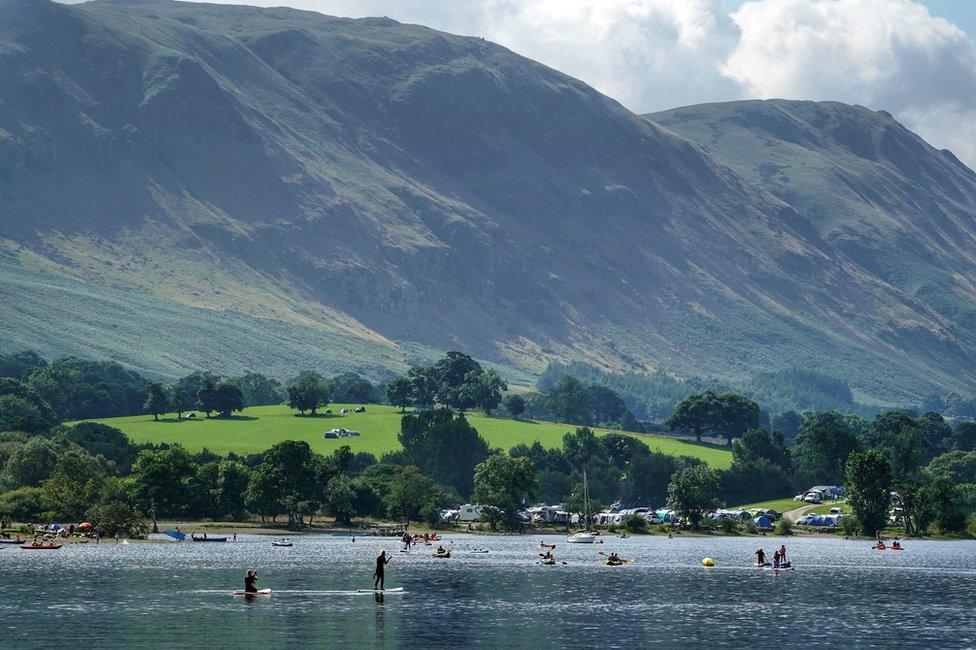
179, 594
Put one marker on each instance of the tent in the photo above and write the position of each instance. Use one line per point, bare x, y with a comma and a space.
763, 522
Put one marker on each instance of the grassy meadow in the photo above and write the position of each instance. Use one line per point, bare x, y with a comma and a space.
258, 427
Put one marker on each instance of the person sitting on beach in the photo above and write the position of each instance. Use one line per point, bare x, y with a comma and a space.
250, 581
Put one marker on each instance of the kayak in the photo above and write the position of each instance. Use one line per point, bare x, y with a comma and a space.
442, 555
12, 541
208, 539
259, 592
548, 562
609, 563
478, 551
544, 545
284, 544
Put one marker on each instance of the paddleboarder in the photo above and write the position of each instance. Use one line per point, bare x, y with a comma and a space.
250, 582
381, 561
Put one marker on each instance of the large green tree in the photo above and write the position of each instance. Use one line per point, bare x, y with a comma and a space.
868, 487
294, 472
826, 440
162, 481
309, 391
503, 484
413, 496
399, 393
444, 446
227, 399
693, 492
693, 414
157, 401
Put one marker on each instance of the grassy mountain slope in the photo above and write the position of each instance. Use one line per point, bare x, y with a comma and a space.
404, 187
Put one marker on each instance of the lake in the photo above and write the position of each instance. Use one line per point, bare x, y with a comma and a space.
171, 594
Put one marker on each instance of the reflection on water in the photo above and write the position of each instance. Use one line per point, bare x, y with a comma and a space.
167, 594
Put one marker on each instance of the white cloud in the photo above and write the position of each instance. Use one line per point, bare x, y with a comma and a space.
657, 54
885, 54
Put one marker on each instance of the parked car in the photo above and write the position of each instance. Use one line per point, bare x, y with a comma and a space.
813, 497
835, 511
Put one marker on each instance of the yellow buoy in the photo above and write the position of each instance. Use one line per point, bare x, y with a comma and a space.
708, 562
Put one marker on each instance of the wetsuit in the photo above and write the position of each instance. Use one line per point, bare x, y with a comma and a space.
381, 562
760, 558
250, 586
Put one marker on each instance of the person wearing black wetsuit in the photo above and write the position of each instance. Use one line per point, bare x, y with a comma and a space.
760, 558
381, 562
250, 582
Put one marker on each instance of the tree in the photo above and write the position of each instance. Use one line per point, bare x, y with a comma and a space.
30, 464
227, 399
340, 499
868, 488
693, 492
948, 510
20, 414
503, 483
425, 383
308, 392
515, 405
294, 472
958, 466
117, 518
25, 504
758, 444
258, 390
568, 401
350, 388
232, 482
414, 496
156, 400
75, 485
734, 414
483, 389
161, 481
755, 479
180, 400
19, 365
964, 437
262, 495
821, 450
455, 370
207, 394
693, 413
444, 446
398, 393
102, 440
788, 423
605, 407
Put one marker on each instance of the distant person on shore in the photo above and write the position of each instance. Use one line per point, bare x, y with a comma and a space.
761, 558
251, 582
381, 561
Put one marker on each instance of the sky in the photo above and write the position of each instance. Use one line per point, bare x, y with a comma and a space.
915, 59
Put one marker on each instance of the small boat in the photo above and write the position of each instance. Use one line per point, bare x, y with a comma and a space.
582, 537
283, 543
443, 555
41, 547
175, 534
547, 562
544, 545
478, 551
207, 539
12, 541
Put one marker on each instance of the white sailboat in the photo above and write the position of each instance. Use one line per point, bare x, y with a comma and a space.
584, 536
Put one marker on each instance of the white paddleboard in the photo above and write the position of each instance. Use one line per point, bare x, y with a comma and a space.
259, 592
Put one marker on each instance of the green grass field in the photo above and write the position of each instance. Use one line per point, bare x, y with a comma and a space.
779, 505
259, 427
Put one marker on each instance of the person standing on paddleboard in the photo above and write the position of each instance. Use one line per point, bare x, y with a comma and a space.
760, 558
381, 561
250, 582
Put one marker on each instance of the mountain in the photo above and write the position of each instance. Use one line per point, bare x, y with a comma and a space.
895, 212
224, 187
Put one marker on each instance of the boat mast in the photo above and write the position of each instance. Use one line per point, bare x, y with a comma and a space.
586, 500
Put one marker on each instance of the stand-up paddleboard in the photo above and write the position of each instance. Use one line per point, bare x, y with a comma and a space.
259, 592
394, 590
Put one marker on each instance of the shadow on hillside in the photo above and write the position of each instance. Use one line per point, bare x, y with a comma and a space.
318, 416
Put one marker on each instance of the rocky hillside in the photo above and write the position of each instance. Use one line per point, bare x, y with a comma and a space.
382, 190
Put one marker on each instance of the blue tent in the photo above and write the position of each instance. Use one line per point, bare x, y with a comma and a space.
763, 522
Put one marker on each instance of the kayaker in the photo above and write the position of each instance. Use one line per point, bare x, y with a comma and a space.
896, 543
381, 561
548, 556
614, 560
760, 558
250, 581
441, 550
